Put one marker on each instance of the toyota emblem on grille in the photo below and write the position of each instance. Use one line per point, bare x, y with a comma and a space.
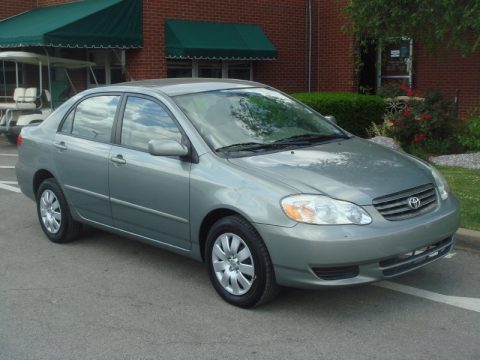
414, 202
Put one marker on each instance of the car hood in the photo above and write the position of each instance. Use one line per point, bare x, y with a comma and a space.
355, 170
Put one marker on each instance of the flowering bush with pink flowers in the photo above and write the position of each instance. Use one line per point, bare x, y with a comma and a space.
393, 90
426, 124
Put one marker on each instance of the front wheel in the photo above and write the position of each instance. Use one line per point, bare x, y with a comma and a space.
238, 262
54, 214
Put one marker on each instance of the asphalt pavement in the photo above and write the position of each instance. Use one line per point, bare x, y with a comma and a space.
108, 297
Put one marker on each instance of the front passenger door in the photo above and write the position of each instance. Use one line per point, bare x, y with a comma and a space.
149, 194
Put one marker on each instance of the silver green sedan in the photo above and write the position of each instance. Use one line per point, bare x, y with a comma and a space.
264, 190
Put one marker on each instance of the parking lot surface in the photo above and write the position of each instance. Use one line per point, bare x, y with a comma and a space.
108, 297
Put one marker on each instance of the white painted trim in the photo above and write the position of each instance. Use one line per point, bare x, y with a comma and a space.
195, 68
224, 70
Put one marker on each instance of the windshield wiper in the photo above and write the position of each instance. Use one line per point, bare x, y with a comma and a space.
252, 146
296, 140
310, 138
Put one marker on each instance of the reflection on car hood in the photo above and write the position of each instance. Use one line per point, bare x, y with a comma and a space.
355, 170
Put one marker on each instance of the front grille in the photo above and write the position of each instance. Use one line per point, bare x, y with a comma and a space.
396, 207
336, 273
416, 258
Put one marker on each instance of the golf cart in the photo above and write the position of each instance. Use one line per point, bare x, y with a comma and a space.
32, 105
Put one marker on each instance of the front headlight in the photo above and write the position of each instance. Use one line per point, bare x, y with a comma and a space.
322, 210
441, 184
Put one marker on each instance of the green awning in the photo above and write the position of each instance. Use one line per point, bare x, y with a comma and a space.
214, 40
83, 24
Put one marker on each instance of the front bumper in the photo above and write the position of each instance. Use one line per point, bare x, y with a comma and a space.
304, 253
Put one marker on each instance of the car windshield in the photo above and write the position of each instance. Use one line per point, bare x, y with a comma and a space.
254, 119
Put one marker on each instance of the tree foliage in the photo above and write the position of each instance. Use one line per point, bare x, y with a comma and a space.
437, 24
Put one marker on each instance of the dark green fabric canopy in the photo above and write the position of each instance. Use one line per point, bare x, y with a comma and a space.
83, 24
214, 40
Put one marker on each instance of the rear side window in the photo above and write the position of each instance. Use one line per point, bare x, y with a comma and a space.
146, 120
94, 117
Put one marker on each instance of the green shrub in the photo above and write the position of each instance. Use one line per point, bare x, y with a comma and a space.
354, 112
469, 136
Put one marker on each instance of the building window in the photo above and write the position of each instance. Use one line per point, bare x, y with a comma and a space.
240, 70
109, 69
210, 69
177, 69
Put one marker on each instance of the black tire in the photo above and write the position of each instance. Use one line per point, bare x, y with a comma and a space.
264, 287
69, 229
12, 139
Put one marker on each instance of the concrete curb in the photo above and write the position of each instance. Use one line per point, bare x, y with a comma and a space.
468, 239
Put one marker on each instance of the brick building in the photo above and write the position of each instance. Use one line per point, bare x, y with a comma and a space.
294, 45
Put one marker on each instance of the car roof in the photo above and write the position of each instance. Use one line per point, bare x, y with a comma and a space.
182, 86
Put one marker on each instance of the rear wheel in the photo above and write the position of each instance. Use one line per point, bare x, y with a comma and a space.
54, 213
12, 139
238, 262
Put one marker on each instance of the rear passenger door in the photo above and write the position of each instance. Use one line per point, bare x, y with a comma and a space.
149, 194
83, 145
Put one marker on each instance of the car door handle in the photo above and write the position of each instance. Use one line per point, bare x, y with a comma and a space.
118, 159
60, 145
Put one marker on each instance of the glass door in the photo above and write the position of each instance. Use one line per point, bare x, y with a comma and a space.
394, 62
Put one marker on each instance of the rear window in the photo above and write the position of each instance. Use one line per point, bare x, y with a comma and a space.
94, 118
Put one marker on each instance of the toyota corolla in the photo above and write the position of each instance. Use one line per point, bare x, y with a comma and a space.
264, 190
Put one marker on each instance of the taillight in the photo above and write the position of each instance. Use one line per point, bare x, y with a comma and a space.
19, 140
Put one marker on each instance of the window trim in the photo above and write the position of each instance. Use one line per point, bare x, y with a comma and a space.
73, 108
60, 127
118, 121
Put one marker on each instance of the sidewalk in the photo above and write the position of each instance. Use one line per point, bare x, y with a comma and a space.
468, 239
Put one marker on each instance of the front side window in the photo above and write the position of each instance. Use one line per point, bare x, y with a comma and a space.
254, 117
146, 120
94, 117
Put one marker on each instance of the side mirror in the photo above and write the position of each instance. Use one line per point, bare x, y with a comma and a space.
167, 148
331, 118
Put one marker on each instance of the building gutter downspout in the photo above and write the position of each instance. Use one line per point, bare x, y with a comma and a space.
309, 59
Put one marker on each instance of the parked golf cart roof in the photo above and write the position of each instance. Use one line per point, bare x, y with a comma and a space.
27, 105
36, 59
